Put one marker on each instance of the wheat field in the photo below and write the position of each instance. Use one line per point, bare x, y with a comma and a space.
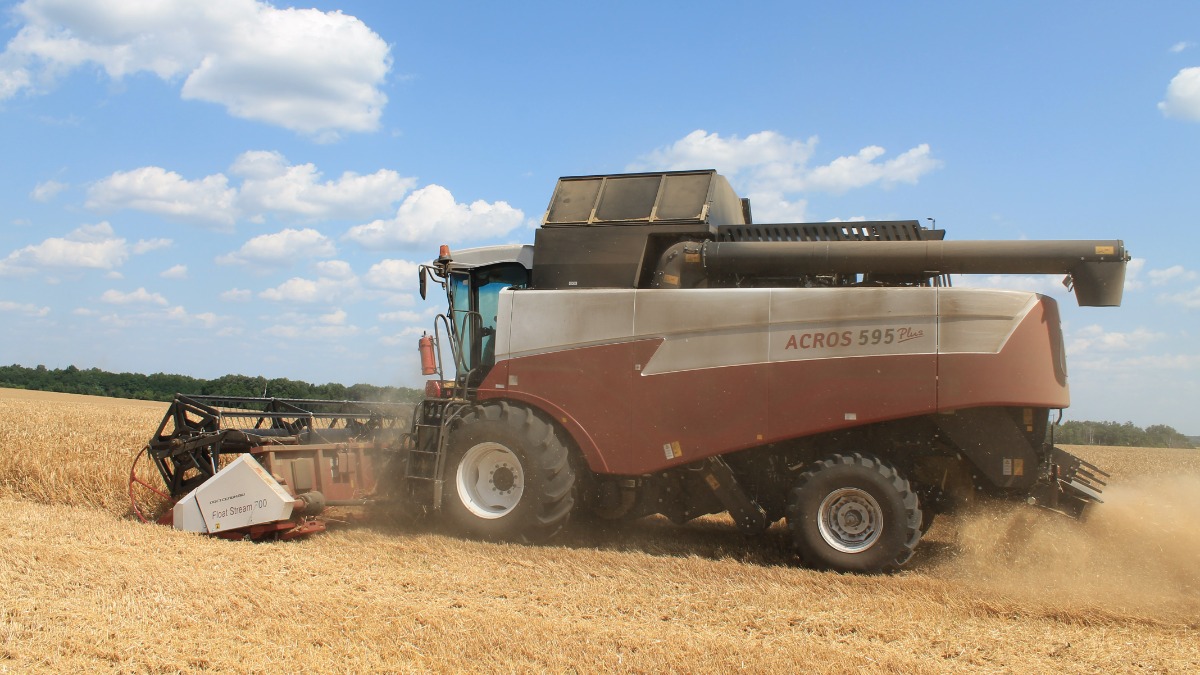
1004, 588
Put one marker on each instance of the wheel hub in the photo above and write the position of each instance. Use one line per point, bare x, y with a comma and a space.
850, 520
490, 480
503, 478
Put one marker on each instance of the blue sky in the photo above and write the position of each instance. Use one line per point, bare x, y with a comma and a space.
229, 186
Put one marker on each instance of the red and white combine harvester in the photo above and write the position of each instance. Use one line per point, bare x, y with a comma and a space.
657, 352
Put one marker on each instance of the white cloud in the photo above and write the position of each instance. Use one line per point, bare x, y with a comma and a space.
1171, 364
335, 269
772, 207
1186, 299
1095, 338
392, 275
23, 308
321, 289
88, 246
12, 80
431, 214
147, 245
1133, 274
317, 73
281, 248
175, 272
237, 295
404, 315
207, 201
300, 326
1179, 47
1183, 96
771, 167
860, 170
1046, 284
181, 315
1170, 274
334, 318
766, 152
44, 192
270, 184
139, 297
404, 337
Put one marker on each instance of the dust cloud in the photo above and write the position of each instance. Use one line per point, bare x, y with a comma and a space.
1137, 553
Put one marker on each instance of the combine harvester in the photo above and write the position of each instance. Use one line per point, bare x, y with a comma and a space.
657, 352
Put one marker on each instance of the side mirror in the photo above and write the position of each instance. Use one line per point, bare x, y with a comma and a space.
421, 283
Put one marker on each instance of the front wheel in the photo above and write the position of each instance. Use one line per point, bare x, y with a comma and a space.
854, 513
508, 475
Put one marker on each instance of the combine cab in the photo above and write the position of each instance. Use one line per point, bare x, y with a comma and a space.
657, 352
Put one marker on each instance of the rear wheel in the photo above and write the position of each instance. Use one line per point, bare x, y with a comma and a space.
508, 475
854, 513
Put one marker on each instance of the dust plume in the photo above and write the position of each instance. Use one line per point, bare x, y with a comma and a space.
1138, 553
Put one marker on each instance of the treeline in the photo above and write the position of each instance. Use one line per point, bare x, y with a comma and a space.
1113, 433
163, 387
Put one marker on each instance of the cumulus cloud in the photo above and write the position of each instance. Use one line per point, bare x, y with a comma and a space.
281, 248
44, 192
25, 309
1187, 299
1183, 96
139, 297
403, 315
271, 184
1133, 274
175, 272
431, 214
207, 201
301, 326
766, 152
88, 247
335, 269
313, 72
334, 318
335, 282
1046, 284
1171, 274
392, 275
202, 319
774, 170
237, 295
404, 337
1095, 338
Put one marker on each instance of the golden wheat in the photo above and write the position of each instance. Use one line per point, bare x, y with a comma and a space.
1002, 589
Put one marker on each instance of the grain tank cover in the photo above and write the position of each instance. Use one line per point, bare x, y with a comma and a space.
676, 197
599, 231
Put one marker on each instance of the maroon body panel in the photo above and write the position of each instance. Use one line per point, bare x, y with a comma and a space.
809, 397
627, 422
1029, 371
587, 390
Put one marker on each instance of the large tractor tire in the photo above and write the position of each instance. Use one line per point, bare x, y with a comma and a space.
854, 513
508, 475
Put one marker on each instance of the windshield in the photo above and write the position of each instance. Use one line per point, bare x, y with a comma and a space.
474, 301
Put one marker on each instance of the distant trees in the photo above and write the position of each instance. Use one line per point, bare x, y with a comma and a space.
1113, 433
163, 386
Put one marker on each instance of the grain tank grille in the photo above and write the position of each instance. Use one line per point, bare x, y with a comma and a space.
872, 230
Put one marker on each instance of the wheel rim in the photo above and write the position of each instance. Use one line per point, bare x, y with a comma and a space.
850, 520
490, 480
